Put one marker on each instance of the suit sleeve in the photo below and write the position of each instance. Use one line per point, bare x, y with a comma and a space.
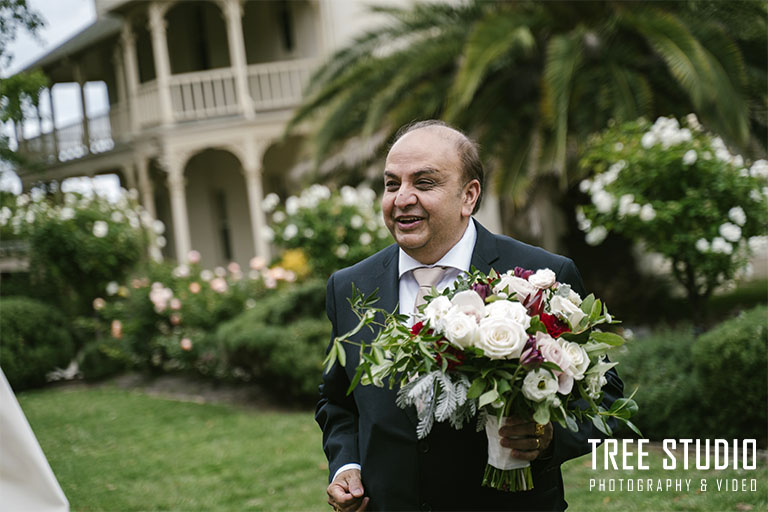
336, 412
567, 444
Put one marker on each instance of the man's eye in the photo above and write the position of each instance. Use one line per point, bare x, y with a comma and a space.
391, 184
425, 184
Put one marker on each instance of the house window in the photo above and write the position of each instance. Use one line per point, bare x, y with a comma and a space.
220, 203
285, 21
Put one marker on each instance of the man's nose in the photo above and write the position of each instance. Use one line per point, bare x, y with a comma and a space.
405, 197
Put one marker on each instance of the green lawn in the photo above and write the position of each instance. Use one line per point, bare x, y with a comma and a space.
116, 450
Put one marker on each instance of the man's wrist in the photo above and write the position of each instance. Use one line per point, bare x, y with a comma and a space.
345, 467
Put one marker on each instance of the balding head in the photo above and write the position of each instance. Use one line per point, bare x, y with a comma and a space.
466, 149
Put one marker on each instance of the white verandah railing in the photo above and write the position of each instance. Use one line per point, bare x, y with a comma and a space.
195, 96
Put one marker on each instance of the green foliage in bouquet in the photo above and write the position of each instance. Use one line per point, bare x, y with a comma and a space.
333, 229
34, 340
682, 194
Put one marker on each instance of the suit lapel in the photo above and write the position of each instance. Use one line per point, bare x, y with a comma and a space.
486, 252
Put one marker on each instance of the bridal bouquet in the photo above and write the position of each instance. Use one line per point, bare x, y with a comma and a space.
492, 346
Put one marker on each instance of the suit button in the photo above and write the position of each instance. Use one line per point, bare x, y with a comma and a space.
423, 446
425, 507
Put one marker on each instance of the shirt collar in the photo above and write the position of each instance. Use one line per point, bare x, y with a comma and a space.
459, 257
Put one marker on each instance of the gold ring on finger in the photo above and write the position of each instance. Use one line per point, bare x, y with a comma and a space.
538, 443
539, 430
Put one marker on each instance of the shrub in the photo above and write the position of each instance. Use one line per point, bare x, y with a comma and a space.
281, 341
710, 386
34, 341
661, 369
332, 229
732, 364
104, 358
680, 193
78, 243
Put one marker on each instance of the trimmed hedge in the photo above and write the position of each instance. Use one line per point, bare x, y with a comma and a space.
34, 340
711, 386
280, 343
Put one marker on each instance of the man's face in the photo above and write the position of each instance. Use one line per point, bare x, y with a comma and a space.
426, 205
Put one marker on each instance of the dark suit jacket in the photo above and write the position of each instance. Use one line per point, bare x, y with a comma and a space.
444, 471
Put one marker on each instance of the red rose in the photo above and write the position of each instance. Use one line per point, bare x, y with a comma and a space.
417, 327
555, 326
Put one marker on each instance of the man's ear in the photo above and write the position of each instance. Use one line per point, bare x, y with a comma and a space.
470, 195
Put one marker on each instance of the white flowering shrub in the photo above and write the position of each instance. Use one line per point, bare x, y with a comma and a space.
679, 191
77, 243
333, 229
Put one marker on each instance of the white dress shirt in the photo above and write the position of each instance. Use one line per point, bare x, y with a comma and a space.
457, 261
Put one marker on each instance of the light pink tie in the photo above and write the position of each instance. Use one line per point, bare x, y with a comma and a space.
427, 277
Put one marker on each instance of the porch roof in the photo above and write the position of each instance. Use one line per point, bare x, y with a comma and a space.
104, 27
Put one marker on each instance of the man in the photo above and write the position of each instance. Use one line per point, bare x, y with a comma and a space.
433, 184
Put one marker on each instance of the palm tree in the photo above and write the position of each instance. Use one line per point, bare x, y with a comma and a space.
531, 80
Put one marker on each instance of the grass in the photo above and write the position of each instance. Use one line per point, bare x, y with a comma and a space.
116, 450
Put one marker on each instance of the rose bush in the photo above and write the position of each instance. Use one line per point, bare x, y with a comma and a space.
166, 314
77, 243
678, 191
332, 229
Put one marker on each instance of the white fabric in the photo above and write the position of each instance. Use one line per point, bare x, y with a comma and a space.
344, 468
457, 260
500, 456
27, 483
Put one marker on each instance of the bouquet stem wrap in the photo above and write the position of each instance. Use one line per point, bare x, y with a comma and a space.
504, 472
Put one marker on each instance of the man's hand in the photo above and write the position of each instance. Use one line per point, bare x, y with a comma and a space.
346, 492
521, 436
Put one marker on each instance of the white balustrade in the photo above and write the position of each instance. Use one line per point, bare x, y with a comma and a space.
204, 94
279, 84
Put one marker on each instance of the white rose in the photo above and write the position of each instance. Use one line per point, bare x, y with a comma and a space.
512, 310
566, 310
702, 245
543, 279
648, 140
596, 235
737, 215
501, 338
552, 351
759, 169
647, 213
579, 358
574, 297
469, 303
67, 213
603, 201
730, 232
521, 287
719, 245
436, 310
539, 385
460, 329
100, 229
290, 231
690, 156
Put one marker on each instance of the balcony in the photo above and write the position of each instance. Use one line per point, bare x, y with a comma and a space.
197, 96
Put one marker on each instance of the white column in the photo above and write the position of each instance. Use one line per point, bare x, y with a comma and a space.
177, 188
233, 15
146, 191
157, 26
54, 130
129, 173
131, 64
118, 128
86, 132
252, 171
